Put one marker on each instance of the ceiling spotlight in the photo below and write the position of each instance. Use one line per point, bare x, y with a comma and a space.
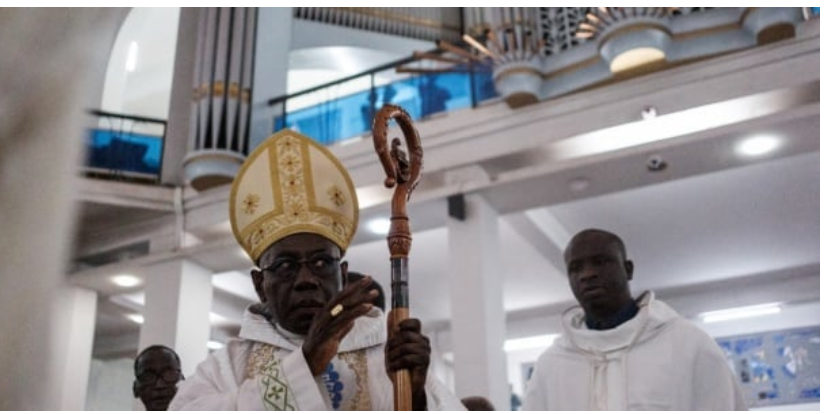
125, 280
379, 226
656, 163
214, 345
759, 145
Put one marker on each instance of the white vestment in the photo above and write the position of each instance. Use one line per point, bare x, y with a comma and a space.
265, 370
655, 361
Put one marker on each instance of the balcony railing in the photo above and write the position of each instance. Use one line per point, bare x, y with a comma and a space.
125, 147
425, 23
345, 108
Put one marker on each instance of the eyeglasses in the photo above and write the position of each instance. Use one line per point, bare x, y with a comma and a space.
169, 376
321, 265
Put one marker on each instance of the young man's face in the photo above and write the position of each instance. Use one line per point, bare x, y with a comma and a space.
598, 272
298, 276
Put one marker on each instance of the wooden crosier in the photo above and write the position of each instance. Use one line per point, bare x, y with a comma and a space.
403, 174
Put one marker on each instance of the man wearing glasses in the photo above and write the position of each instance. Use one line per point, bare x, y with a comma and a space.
157, 372
315, 341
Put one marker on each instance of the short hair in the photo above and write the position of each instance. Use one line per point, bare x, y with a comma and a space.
477, 403
155, 348
612, 236
379, 301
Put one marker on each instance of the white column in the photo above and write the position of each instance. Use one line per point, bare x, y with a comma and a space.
273, 43
478, 318
75, 326
176, 312
177, 143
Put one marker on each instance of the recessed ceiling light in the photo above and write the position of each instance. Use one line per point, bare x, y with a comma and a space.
759, 145
213, 345
379, 226
136, 318
125, 280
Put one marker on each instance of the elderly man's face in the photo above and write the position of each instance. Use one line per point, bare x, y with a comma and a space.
299, 275
157, 375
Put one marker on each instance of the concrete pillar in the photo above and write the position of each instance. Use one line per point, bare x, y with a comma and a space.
46, 75
478, 318
272, 46
180, 126
176, 312
75, 327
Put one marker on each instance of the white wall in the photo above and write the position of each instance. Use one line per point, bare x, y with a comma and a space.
145, 90
110, 385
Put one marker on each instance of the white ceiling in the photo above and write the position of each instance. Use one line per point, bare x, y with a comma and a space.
744, 221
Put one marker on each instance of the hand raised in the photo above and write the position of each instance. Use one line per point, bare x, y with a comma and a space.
327, 331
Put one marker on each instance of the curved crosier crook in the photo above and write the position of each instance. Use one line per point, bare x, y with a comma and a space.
399, 171
403, 174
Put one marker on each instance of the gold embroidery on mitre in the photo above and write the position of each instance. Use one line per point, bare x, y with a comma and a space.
288, 144
250, 203
295, 211
336, 195
293, 183
277, 227
287, 204
290, 163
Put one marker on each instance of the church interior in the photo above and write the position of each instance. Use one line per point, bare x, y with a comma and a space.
693, 133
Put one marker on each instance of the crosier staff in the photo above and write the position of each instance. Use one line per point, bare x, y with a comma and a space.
403, 174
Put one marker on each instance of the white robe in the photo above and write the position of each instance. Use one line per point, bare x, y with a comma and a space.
265, 370
655, 361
